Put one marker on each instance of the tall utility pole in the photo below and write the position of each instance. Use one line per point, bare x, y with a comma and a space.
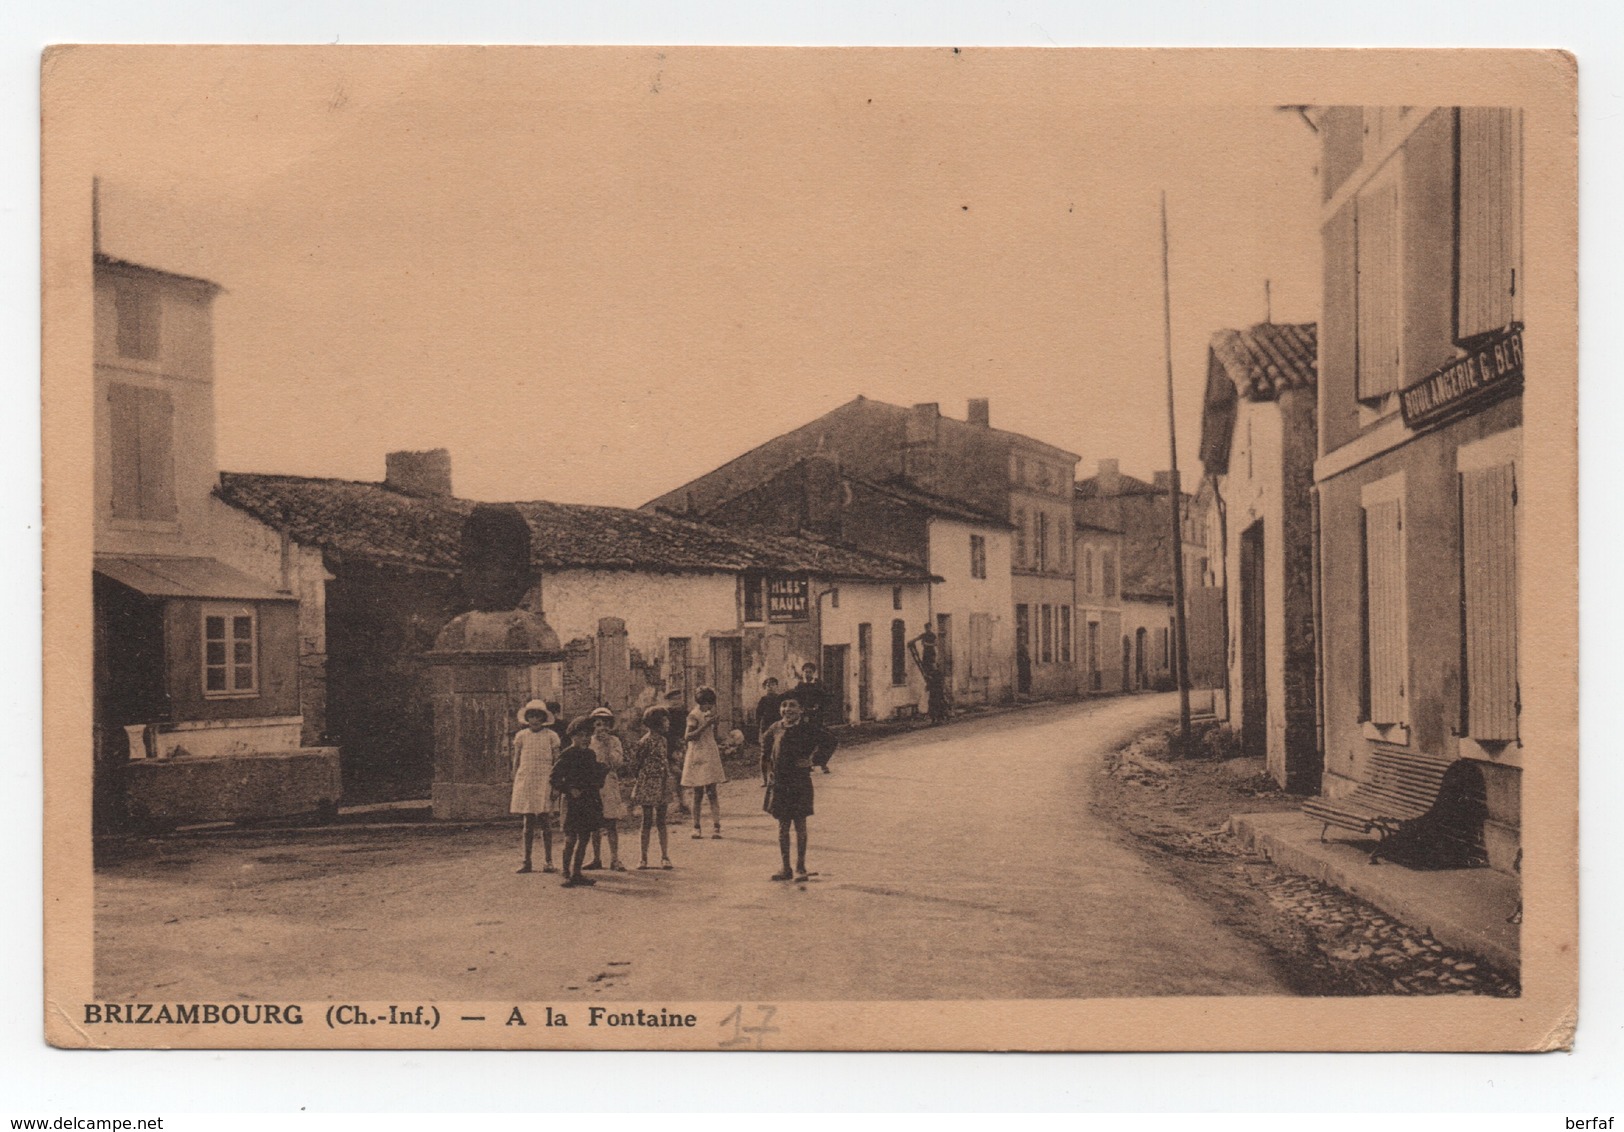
1174, 498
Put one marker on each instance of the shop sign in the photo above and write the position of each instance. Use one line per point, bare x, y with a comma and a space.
786, 599
1493, 367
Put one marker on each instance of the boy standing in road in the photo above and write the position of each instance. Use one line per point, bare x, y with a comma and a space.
789, 750
578, 776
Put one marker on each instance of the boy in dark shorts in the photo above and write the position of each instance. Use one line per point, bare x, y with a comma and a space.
578, 776
790, 749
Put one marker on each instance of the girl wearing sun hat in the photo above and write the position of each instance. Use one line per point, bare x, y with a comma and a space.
535, 750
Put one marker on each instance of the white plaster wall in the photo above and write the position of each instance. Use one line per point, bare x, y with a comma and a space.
1151, 616
959, 594
1251, 493
655, 607
872, 603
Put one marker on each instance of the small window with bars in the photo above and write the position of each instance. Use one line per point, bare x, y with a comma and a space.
230, 651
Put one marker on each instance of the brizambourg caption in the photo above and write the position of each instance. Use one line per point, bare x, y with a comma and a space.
347, 1014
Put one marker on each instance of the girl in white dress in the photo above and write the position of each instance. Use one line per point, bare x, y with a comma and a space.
612, 755
535, 749
702, 766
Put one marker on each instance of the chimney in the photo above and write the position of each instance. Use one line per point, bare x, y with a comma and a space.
919, 439
419, 473
980, 412
1110, 479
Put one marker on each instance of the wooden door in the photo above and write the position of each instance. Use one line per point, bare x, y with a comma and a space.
834, 682
1254, 671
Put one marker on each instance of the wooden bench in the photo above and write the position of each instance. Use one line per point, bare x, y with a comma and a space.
1434, 803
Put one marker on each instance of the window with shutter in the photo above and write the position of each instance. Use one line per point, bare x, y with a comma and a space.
1108, 567
1088, 571
1020, 536
1046, 634
1489, 602
1386, 636
1379, 284
1488, 227
1065, 634
136, 312
141, 426
899, 653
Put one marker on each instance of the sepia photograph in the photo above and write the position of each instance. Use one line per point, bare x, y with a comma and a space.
751, 549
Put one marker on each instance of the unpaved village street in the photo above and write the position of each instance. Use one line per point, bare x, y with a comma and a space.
952, 863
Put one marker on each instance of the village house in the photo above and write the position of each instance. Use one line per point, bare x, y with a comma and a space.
1099, 607
1258, 440
642, 604
994, 473
1420, 436
1142, 513
970, 608
208, 626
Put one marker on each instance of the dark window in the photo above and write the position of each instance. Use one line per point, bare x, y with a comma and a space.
896, 597
755, 607
1065, 634
899, 652
978, 556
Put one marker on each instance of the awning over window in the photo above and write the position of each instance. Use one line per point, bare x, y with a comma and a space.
185, 577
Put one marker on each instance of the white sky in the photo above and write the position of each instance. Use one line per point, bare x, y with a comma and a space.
541, 272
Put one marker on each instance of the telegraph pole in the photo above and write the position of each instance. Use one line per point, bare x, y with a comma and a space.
1182, 653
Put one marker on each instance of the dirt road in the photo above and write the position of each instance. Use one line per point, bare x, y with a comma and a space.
960, 862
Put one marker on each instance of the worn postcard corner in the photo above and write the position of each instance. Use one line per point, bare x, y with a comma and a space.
737, 549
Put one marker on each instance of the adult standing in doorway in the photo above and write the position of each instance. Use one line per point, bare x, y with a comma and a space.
813, 699
809, 693
702, 767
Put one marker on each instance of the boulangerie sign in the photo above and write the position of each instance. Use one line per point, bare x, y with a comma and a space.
474, 474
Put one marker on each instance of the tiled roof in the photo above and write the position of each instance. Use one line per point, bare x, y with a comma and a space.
935, 504
1267, 358
373, 522
1126, 485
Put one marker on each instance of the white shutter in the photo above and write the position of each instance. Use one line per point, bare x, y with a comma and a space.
1489, 575
1379, 296
1488, 219
1385, 629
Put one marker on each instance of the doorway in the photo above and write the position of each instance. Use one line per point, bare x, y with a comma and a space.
865, 671
1023, 649
1141, 677
834, 683
727, 669
1254, 687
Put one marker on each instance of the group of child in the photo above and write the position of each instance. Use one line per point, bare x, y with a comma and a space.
592, 780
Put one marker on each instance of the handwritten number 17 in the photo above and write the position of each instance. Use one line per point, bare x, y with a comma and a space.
742, 1033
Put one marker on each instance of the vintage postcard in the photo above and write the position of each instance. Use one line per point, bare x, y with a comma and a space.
695, 549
